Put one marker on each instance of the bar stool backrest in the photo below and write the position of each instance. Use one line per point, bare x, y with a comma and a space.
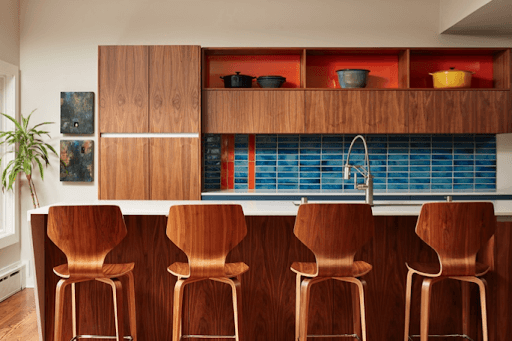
86, 234
334, 232
456, 231
206, 233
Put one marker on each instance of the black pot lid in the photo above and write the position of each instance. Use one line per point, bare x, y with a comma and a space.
353, 70
272, 76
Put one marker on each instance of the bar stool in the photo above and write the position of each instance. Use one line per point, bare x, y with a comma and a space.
334, 233
206, 233
86, 234
455, 231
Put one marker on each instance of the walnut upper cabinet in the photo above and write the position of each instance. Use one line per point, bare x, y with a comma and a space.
152, 89
353, 112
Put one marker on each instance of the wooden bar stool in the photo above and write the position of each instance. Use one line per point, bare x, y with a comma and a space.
86, 234
206, 233
334, 233
455, 231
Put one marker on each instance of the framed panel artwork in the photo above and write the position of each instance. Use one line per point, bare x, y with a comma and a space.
77, 158
77, 113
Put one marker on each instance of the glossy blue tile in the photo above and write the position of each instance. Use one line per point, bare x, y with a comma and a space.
441, 157
212, 163
397, 180
241, 186
332, 163
485, 174
288, 157
293, 180
398, 163
463, 157
265, 181
288, 138
462, 187
212, 168
332, 180
266, 157
463, 174
212, 181
485, 187
331, 175
398, 169
265, 151
442, 180
485, 157
419, 187
379, 177
210, 157
420, 145
294, 145
266, 138
309, 162
397, 187
463, 168
307, 186
420, 175
398, 138
288, 174
240, 180
310, 175
332, 139
265, 175
485, 163
441, 187
419, 180
288, 151
332, 187
463, 138
332, 169
287, 169
442, 163
212, 186
264, 163
463, 180
419, 162
379, 188
264, 186
485, 181
212, 175
287, 163
310, 138
463, 163
420, 169
259, 169
336, 151
419, 157
442, 174
310, 151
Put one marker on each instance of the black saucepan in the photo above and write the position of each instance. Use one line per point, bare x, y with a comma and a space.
237, 81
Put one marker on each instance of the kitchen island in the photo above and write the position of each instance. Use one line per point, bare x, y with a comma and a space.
268, 288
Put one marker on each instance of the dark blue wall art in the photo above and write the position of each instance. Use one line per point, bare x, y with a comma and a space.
77, 158
77, 112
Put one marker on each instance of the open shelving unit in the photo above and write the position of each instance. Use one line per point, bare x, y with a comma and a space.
390, 68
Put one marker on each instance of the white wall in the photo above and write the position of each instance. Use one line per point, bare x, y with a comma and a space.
60, 38
10, 53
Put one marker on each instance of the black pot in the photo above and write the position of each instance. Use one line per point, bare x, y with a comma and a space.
237, 81
271, 81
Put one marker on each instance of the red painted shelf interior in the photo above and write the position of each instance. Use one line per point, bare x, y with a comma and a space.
423, 64
321, 69
253, 65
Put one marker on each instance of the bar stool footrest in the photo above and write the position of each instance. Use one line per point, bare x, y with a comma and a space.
337, 335
101, 337
448, 335
208, 337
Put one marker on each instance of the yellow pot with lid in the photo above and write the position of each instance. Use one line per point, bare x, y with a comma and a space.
452, 78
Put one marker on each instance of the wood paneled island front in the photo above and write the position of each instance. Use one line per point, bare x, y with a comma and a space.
268, 288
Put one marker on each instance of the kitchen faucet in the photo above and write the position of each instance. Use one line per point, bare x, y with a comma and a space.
368, 185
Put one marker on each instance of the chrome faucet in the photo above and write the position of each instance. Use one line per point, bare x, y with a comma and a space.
368, 185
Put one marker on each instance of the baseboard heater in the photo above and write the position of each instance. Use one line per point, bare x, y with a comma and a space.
10, 282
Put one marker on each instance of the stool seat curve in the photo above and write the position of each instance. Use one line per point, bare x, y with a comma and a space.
434, 269
109, 270
310, 269
231, 270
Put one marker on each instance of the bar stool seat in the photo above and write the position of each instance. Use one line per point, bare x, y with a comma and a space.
455, 231
434, 269
109, 270
310, 269
86, 234
334, 233
182, 270
206, 234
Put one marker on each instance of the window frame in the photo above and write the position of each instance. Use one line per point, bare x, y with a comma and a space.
9, 228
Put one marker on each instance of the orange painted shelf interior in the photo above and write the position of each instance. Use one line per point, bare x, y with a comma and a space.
423, 64
321, 68
286, 65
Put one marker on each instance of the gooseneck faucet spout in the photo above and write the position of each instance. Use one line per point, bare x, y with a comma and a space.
366, 173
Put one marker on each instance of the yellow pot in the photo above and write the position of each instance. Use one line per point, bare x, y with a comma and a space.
451, 79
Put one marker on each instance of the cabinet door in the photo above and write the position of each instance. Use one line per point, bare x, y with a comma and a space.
353, 112
174, 169
253, 112
458, 112
123, 89
124, 169
175, 85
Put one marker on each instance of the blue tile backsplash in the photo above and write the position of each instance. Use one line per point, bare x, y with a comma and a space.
399, 163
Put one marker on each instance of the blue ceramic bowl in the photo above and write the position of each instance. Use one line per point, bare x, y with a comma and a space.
352, 78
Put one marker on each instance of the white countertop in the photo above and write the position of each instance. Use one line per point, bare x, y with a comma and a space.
502, 208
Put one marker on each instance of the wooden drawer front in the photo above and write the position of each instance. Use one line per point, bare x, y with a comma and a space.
174, 169
457, 112
175, 85
123, 89
253, 112
124, 169
352, 112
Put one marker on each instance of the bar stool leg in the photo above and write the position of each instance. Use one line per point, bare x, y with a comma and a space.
130, 290
408, 297
59, 308
177, 310
482, 284
361, 311
73, 309
426, 289
117, 293
466, 300
305, 292
297, 306
356, 309
237, 305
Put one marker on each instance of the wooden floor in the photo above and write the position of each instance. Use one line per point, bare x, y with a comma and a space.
18, 319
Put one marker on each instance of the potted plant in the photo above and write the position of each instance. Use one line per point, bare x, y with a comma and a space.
29, 151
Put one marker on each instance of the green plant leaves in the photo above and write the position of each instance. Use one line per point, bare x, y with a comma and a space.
31, 150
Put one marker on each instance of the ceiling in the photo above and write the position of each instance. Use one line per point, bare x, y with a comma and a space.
493, 18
